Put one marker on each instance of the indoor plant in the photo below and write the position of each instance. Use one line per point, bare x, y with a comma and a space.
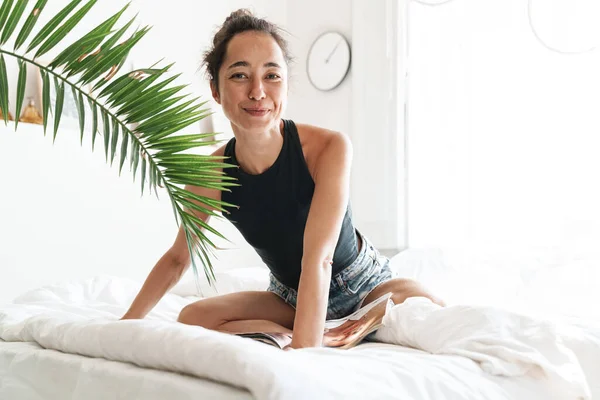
145, 99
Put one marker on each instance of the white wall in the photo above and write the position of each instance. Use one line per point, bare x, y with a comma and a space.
306, 104
66, 215
368, 105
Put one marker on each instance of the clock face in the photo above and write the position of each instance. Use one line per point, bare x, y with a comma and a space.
328, 61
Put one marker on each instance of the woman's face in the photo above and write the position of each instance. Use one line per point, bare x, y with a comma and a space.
252, 82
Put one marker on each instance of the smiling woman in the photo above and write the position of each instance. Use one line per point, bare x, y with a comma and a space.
291, 205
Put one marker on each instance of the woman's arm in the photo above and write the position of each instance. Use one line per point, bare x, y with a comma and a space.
329, 203
173, 264
169, 269
165, 274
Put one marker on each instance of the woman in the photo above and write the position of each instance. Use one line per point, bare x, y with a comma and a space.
293, 204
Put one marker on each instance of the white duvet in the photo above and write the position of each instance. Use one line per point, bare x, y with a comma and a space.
456, 352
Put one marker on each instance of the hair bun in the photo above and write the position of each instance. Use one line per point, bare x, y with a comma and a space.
242, 12
241, 20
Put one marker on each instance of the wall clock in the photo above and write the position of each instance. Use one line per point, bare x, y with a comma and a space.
328, 61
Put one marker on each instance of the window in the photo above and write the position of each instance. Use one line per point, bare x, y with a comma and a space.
503, 133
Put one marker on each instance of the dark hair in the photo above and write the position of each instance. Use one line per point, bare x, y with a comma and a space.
239, 21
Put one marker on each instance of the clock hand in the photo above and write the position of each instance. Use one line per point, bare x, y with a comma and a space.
333, 51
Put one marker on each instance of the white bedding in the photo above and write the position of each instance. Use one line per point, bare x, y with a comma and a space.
80, 318
30, 372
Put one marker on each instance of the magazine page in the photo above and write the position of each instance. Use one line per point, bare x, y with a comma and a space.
280, 340
358, 314
350, 331
341, 333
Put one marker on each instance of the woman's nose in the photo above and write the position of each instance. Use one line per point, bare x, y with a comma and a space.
257, 91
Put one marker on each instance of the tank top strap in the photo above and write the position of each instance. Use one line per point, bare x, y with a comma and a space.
228, 152
290, 129
295, 147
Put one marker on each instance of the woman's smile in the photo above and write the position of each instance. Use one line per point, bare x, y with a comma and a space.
257, 112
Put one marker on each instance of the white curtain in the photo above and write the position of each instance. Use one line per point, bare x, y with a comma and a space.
503, 133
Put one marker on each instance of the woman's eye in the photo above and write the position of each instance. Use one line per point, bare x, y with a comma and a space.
238, 76
272, 76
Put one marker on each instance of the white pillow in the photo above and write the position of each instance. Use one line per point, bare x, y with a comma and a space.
99, 289
228, 281
457, 279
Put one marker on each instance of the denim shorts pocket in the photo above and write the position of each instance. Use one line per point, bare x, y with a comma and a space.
354, 284
288, 295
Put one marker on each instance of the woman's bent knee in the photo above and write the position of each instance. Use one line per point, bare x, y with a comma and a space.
197, 314
186, 315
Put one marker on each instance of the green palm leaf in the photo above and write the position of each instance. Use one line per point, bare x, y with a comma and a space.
88, 42
136, 158
11, 24
143, 173
151, 109
177, 127
61, 32
152, 178
149, 94
106, 125
94, 121
78, 49
146, 98
133, 89
181, 139
159, 121
114, 139
111, 42
114, 56
4, 93
5, 11
60, 101
30, 23
128, 79
78, 97
46, 98
124, 143
204, 200
20, 90
52, 24
194, 245
132, 150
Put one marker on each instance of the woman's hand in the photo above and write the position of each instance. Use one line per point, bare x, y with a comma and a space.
128, 316
306, 344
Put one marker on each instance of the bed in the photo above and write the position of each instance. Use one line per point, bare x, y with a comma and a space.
501, 337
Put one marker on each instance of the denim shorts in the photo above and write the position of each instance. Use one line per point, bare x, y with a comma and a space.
348, 287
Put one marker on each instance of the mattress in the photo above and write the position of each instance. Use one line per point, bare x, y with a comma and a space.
29, 372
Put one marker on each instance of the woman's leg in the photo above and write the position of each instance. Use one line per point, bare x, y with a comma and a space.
401, 290
240, 313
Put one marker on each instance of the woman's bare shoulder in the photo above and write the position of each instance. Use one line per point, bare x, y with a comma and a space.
315, 132
314, 141
317, 136
220, 151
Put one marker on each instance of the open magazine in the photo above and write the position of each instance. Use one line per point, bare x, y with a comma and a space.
342, 333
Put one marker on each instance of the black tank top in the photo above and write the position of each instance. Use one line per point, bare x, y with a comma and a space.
273, 209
